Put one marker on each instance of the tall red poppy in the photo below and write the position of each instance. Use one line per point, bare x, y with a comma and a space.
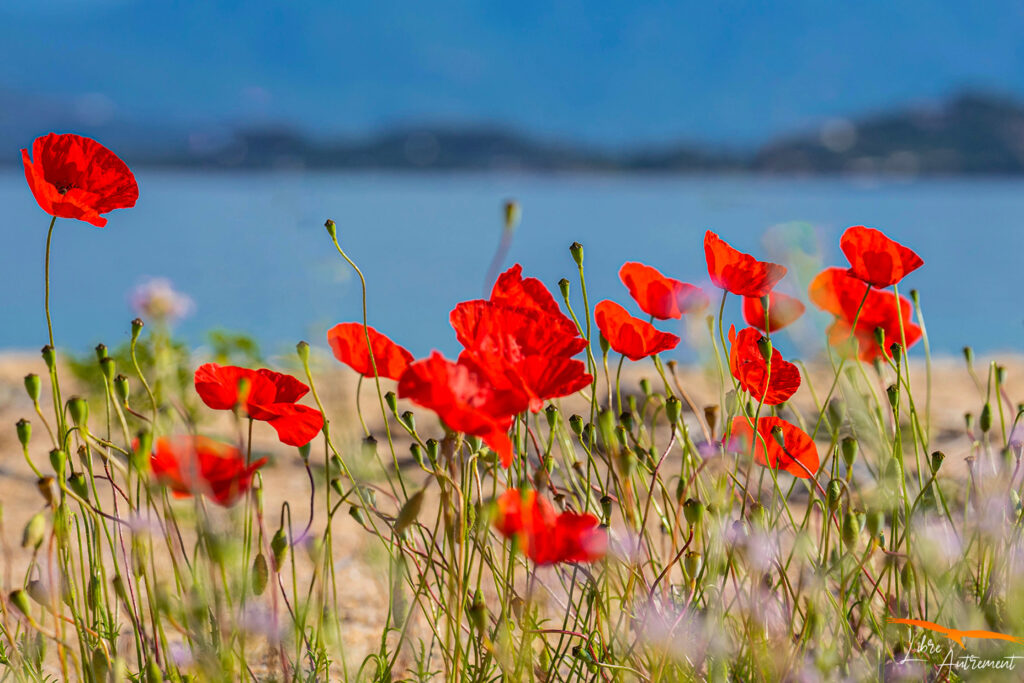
269, 397
465, 400
773, 385
660, 296
192, 466
876, 259
799, 457
851, 299
348, 342
547, 537
782, 311
737, 272
75, 177
632, 337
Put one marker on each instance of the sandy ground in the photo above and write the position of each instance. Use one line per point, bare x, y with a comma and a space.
362, 583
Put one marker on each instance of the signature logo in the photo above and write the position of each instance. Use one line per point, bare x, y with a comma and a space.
962, 661
955, 634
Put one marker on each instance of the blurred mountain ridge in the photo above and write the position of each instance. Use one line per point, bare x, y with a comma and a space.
970, 133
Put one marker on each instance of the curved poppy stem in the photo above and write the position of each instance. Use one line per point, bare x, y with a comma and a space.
46, 279
842, 362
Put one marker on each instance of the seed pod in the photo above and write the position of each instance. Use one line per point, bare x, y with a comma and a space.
834, 492
78, 485
332, 229
764, 345
433, 451
142, 452
850, 531
302, 349
409, 419
153, 673
691, 565
576, 424
758, 516
409, 512
874, 522
576, 250
551, 413
260, 574
137, 326
896, 351
673, 410
907, 576
356, 513
563, 287
100, 665
121, 389
417, 453
45, 486
606, 508
279, 547
892, 392
35, 530
58, 460
645, 386
985, 420
849, 449
711, 417
33, 386
693, 511
19, 599
626, 420
49, 356
24, 429
108, 366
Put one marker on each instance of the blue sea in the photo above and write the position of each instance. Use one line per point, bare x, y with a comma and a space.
251, 251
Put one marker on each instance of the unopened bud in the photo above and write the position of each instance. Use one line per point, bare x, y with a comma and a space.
137, 326
673, 410
576, 249
551, 413
34, 531
391, 399
24, 429
985, 419
576, 424
49, 356
279, 548
45, 487
691, 565
849, 448
833, 493
78, 407
693, 511
764, 345
58, 459
874, 522
645, 386
302, 349
626, 420
409, 512
711, 417
779, 435
121, 389
896, 351
32, 386
417, 453
879, 337
332, 229
850, 531
892, 392
101, 352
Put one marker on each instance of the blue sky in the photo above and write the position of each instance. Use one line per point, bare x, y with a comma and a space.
609, 72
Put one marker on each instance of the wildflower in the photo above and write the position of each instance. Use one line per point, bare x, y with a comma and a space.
876, 259
799, 456
747, 363
75, 177
192, 466
850, 299
737, 272
157, 299
464, 399
348, 342
631, 336
782, 311
547, 537
660, 296
269, 397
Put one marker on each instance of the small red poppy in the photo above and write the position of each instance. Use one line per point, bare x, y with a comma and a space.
876, 259
75, 177
547, 537
632, 337
799, 457
348, 342
192, 466
270, 397
737, 272
465, 400
782, 311
849, 298
513, 290
774, 385
660, 296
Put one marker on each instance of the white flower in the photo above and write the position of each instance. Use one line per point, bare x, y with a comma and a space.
157, 300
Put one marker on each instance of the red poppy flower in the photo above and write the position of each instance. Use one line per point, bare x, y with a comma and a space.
348, 342
74, 177
517, 332
876, 259
752, 372
513, 290
631, 336
782, 311
849, 298
547, 537
660, 296
465, 400
737, 272
799, 457
270, 397
192, 466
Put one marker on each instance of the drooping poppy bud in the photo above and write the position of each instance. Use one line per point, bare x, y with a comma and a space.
32, 386
576, 250
24, 428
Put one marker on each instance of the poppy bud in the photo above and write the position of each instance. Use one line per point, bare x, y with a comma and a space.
896, 351
153, 673
143, 450
779, 436
850, 531
433, 450
79, 410
969, 421
620, 435
691, 565
626, 420
645, 386
304, 452
45, 487
108, 367
332, 229
907, 577
758, 516
834, 492
24, 429
513, 213
693, 511
849, 448
576, 249
32, 386
874, 522
563, 287
880, 337
628, 462
49, 356
121, 389
673, 410
551, 413
603, 343
711, 417
357, 514
606, 508
302, 349
764, 345
576, 424
893, 394
137, 326
969, 356
34, 531
936, 460
101, 352
279, 548
19, 599
409, 512
1000, 375
985, 420
58, 459
391, 399
77, 484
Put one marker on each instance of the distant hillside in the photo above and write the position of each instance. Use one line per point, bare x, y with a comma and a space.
969, 134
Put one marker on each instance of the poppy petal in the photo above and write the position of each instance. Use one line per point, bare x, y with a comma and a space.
660, 296
799, 457
348, 342
876, 259
739, 273
632, 337
783, 310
